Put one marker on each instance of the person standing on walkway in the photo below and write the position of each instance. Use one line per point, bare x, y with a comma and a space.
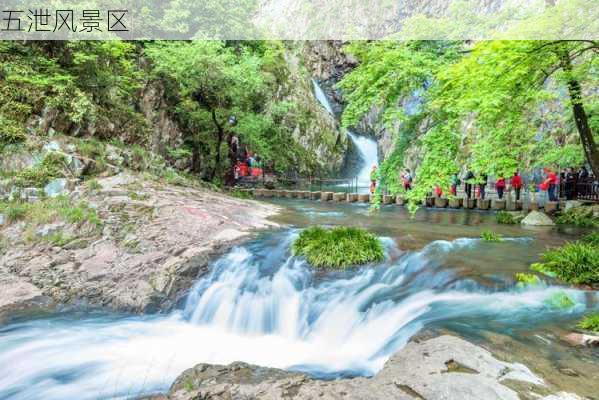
482, 185
516, 183
500, 186
455, 181
550, 183
570, 178
373, 178
406, 177
467, 183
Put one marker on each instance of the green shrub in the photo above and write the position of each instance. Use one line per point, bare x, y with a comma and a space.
11, 132
13, 211
590, 323
504, 217
579, 216
591, 238
576, 263
525, 279
240, 194
489, 236
52, 166
338, 247
560, 300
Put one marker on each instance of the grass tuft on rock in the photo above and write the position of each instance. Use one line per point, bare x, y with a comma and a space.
504, 217
590, 323
339, 247
489, 236
576, 263
523, 279
579, 216
560, 300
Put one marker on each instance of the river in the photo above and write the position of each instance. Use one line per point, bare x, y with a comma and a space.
261, 305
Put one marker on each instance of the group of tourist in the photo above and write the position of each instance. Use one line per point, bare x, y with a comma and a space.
246, 163
569, 180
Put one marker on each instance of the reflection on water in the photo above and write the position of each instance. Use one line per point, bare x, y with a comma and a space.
261, 305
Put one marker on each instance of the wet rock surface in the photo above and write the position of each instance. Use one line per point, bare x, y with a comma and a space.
444, 367
156, 240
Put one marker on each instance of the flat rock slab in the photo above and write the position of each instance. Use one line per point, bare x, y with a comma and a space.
147, 255
445, 367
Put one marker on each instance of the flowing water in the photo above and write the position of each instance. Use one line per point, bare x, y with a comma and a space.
368, 149
261, 305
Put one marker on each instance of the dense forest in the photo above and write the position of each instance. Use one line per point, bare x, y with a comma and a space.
492, 106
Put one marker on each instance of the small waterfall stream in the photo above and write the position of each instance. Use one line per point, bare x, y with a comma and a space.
261, 305
367, 146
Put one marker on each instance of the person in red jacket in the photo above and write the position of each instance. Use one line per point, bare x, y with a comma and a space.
551, 183
517, 184
500, 186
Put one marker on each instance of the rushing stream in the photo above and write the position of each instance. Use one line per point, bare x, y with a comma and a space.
261, 305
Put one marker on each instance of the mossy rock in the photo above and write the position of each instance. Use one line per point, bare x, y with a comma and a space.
576, 263
489, 236
560, 300
524, 279
339, 247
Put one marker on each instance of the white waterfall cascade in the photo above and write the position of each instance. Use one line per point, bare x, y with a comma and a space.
321, 97
368, 149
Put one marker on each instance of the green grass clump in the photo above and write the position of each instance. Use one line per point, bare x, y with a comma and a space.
590, 323
49, 210
52, 166
579, 216
240, 194
560, 300
504, 217
489, 236
591, 238
525, 279
338, 247
576, 263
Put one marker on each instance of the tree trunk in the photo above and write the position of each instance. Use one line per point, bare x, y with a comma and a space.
580, 117
219, 141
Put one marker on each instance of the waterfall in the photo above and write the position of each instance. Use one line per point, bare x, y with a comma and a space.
261, 305
368, 149
321, 97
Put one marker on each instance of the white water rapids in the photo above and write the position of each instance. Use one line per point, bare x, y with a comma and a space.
259, 305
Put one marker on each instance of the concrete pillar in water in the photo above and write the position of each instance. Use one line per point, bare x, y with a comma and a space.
469, 203
364, 198
518, 205
498, 204
551, 206
399, 200
429, 202
440, 202
352, 197
388, 199
339, 196
315, 195
326, 196
455, 202
483, 204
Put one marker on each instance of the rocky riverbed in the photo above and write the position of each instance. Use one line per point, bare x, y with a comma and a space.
444, 367
156, 239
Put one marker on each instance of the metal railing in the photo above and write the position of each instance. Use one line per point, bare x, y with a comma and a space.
587, 190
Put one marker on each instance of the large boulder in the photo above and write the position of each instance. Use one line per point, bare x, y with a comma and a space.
536, 218
445, 367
